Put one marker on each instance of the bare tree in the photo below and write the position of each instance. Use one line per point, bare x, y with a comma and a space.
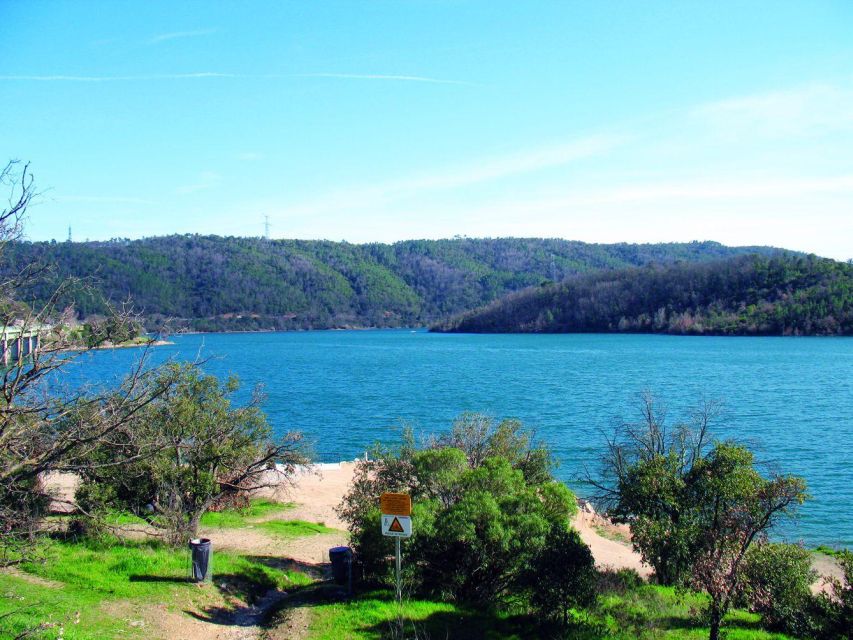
40, 429
642, 481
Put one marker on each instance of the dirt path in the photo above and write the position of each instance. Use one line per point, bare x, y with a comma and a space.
316, 492
608, 552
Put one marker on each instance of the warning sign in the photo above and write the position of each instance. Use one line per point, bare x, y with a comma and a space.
396, 526
395, 504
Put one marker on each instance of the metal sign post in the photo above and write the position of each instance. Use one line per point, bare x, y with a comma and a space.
396, 520
399, 587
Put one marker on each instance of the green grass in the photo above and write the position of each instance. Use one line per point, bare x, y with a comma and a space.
289, 529
253, 516
29, 605
239, 518
121, 517
236, 518
643, 613
831, 551
651, 611
373, 615
610, 534
90, 575
138, 569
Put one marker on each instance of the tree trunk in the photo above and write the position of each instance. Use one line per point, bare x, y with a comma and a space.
192, 525
716, 618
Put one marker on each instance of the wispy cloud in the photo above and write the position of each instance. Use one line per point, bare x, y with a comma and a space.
220, 75
154, 76
808, 109
690, 192
250, 156
206, 180
526, 161
104, 199
178, 35
478, 171
385, 77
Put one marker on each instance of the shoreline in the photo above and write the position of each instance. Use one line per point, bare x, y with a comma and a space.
431, 330
104, 347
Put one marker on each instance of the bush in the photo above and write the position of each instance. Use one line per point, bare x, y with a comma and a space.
778, 579
835, 610
562, 576
619, 581
186, 452
484, 501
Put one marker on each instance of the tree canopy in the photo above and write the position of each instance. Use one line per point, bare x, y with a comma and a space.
783, 294
211, 283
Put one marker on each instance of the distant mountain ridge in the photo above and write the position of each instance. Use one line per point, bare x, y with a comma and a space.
213, 283
783, 294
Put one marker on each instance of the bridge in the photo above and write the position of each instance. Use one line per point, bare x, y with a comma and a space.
20, 342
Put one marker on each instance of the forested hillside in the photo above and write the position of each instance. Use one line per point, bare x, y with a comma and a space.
216, 283
785, 294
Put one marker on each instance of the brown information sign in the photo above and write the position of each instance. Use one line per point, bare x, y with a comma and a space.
395, 504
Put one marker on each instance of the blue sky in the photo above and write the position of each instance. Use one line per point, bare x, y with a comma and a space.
381, 121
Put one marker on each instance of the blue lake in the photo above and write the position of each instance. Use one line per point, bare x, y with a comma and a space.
791, 399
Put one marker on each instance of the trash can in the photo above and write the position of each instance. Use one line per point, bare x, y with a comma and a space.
341, 558
200, 565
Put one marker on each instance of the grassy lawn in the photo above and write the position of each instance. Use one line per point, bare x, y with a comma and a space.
651, 611
289, 529
89, 577
253, 516
645, 612
236, 518
376, 615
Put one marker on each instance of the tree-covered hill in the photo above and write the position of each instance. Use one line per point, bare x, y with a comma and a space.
217, 283
785, 294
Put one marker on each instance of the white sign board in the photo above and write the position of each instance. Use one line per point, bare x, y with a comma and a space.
396, 526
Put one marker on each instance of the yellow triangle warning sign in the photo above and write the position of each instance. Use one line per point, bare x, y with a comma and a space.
396, 526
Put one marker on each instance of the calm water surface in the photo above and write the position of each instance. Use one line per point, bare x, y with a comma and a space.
791, 398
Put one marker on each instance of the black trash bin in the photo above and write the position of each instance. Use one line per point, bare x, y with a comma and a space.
341, 558
200, 565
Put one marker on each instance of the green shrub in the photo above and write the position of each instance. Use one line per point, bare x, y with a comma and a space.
835, 610
778, 579
480, 545
618, 581
484, 501
562, 576
188, 451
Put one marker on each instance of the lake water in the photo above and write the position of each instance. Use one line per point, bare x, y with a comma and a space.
790, 398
